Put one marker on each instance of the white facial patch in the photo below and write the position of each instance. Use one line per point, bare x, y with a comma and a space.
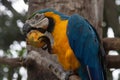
38, 21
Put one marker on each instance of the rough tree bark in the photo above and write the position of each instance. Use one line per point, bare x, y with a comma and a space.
46, 66
111, 43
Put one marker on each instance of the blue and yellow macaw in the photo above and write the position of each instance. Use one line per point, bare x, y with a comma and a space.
76, 42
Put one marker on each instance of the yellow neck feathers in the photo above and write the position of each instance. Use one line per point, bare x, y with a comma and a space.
54, 16
61, 45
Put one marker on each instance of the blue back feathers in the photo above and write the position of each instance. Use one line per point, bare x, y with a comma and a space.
85, 44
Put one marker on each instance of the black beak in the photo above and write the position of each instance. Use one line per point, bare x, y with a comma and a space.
47, 41
26, 28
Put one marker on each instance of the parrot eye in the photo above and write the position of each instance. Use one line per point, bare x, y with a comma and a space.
39, 16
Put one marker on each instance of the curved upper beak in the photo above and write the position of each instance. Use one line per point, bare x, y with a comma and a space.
26, 28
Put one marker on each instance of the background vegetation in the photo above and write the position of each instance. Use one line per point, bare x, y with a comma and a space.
12, 42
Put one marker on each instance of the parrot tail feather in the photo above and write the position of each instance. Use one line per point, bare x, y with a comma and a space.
95, 73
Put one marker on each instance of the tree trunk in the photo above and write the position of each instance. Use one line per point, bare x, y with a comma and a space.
92, 10
111, 16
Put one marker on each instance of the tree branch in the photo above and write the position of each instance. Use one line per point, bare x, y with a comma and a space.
13, 62
113, 61
46, 60
111, 43
42, 58
8, 5
49, 61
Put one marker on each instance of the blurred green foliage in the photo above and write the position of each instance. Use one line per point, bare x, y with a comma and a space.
9, 30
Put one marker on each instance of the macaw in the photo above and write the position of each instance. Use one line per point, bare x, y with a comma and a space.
76, 42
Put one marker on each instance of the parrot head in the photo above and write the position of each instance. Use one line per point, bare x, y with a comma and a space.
34, 30
35, 27
43, 20
38, 22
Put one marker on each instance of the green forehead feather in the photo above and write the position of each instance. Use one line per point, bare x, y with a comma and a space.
63, 16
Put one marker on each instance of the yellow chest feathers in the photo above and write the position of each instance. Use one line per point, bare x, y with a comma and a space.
62, 48
61, 45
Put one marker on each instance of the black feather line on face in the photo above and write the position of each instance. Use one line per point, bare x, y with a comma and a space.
51, 24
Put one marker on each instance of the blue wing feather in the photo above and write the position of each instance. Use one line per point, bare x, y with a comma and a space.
85, 44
